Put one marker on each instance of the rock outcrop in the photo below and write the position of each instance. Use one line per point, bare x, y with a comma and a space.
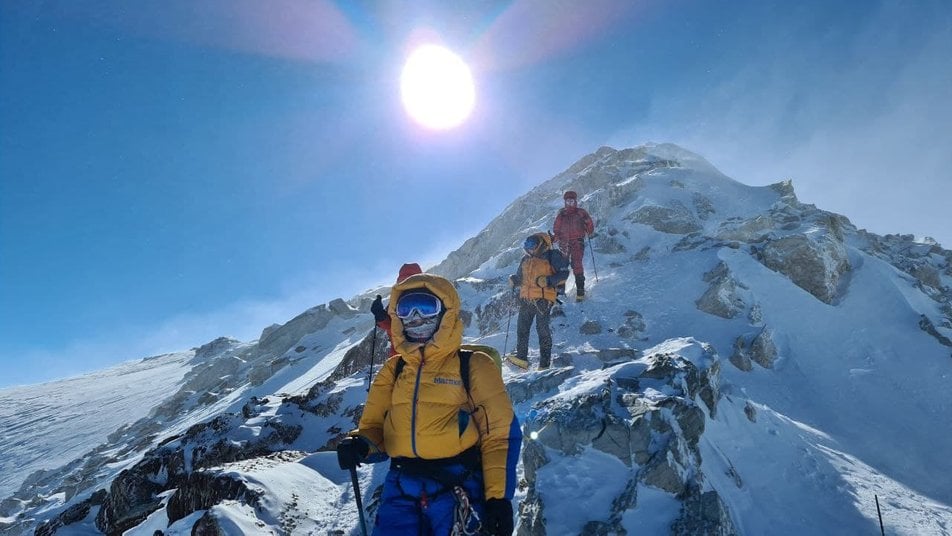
626, 416
816, 263
721, 298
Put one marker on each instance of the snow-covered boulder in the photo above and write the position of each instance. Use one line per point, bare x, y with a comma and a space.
760, 349
674, 218
640, 421
815, 262
721, 298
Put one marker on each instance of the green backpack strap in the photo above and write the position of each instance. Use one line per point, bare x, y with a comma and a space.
464, 356
486, 349
398, 368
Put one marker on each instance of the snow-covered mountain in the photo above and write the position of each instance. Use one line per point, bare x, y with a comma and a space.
745, 364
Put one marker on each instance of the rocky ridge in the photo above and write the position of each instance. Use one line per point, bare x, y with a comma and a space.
635, 391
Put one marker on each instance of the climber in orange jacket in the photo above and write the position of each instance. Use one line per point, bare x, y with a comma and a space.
572, 225
541, 273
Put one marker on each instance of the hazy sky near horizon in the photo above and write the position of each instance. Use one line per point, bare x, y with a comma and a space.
173, 171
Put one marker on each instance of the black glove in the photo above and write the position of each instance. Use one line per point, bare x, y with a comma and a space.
498, 516
351, 452
377, 309
512, 281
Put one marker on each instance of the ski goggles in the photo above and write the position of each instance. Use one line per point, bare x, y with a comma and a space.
425, 305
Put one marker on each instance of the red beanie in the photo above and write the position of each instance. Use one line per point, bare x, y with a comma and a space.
570, 195
408, 269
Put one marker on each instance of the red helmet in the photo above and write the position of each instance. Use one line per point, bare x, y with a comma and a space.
570, 195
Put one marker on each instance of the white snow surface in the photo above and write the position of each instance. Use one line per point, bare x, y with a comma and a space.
47, 425
856, 405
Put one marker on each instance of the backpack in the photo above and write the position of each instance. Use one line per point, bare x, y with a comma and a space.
465, 353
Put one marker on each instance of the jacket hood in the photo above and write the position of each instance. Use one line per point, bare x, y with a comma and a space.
448, 336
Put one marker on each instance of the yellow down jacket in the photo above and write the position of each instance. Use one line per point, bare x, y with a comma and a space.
426, 412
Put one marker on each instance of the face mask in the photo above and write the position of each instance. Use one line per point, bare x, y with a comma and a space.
419, 329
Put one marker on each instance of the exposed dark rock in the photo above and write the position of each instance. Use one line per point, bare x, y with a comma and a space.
215, 347
658, 438
373, 346
278, 341
710, 391
703, 514
620, 504
607, 244
814, 263
643, 254
703, 206
763, 350
721, 298
133, 494
751, 230
741, 357
755, 315
590, 327
202, 490
634, 325
207, 525
927, 275
132, 497
496, 313
73, 514
675, 219
785, 189
521, 390
750, 411
692, 241
466, 317
926, 325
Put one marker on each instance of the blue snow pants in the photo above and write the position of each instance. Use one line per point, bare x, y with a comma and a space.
417, 501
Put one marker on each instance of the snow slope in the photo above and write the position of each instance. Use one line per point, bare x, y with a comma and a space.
745, 363
50, 424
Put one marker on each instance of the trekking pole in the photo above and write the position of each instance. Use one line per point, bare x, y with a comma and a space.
882, 529
360, 503
591, 249
373, 350
505, 346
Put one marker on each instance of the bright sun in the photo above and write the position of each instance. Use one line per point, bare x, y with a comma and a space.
437, 87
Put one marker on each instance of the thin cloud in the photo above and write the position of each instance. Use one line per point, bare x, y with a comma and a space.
243, 320
860, 132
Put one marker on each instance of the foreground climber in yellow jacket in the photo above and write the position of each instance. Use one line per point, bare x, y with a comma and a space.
453, 451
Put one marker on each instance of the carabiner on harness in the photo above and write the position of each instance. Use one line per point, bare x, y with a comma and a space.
464, 515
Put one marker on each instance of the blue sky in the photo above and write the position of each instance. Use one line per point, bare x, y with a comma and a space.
175, 171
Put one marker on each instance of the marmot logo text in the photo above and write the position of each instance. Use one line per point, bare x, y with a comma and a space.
447, 381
